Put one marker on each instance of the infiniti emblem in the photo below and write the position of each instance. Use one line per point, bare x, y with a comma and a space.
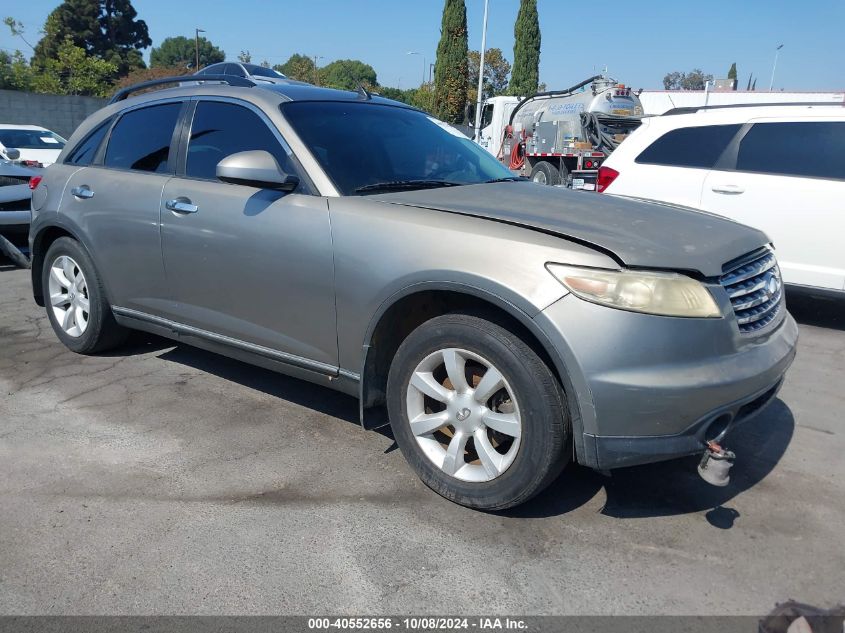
463, 414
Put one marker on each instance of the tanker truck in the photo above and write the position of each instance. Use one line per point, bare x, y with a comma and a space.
561, 137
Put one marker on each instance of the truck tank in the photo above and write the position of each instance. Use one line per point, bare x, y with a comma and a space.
599, 111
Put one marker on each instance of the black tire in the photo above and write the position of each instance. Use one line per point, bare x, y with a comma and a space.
102, 332
545, 173
544, 448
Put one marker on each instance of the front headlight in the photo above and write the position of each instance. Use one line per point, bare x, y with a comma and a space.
667, 294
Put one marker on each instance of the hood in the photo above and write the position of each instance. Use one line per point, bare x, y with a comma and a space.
639, 234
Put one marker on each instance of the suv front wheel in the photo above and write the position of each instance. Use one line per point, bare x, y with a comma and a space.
477, 414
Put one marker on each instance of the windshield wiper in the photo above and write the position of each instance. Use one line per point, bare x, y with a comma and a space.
401, 185
506, 179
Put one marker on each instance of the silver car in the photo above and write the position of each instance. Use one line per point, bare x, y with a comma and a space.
501, 328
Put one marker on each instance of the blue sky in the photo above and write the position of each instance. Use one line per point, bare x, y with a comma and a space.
640, 41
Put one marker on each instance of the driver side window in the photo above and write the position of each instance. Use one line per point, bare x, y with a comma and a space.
221, 129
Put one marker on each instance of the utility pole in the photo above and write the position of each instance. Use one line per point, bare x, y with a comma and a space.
197, 48
774, 66
481, 76
316, 75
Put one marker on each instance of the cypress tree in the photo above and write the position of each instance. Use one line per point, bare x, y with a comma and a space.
732, 74
525, 76
450, 69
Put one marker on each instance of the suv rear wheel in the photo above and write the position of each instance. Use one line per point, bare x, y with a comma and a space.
477, 414
75, 300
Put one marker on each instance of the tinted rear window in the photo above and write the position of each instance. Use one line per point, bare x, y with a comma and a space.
690, 146
812, 148
141, 139
83, 154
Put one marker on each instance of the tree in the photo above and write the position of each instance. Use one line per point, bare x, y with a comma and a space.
397, 94
17, 29
732, 75
108, 29
146, 74
496, 71
526, 50
15, 72
74, 72
348, 74
245, 57
123, 35
451, 71
693, 80
424, 97
299, 67
180, 51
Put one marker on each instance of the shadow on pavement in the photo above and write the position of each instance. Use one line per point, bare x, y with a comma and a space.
674, 487
820, 311
301, 392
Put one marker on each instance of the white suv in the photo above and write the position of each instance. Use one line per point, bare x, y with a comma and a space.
778, 168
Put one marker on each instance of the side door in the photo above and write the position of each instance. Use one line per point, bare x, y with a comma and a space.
673, 168
787, 178
115, 202
253, 265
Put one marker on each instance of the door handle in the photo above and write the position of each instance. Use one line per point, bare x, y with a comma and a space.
729, 189
83, 191
181, 205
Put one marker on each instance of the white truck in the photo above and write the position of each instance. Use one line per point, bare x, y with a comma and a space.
561, 137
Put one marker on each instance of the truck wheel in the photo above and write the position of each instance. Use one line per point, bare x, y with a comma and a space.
75, 300
545, 173
477, 414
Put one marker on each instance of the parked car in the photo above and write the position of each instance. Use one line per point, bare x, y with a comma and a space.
37, 146
14, 209
504, 327
248, 71
778, 168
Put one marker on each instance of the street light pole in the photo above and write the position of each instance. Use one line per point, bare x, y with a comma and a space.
197, 48
423, 60
316, 74
481, 76
774, 66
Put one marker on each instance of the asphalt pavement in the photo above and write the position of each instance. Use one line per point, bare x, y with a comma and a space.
163, 479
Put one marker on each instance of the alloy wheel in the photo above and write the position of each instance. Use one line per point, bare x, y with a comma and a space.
464, 415
69, 298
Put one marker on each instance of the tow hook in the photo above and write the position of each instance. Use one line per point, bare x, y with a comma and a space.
715, 464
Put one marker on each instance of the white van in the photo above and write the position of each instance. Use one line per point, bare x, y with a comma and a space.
779, 168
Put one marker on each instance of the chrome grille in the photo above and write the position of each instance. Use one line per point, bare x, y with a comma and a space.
754, 285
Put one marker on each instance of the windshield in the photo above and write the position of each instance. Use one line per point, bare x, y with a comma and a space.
361, 145
31, 139
261, 71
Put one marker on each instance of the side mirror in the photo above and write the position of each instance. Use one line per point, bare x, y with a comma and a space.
255, 168
13, 154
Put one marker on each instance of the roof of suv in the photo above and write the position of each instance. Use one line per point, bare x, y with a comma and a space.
745, 111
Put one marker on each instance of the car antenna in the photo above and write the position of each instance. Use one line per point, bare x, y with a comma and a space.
363, 95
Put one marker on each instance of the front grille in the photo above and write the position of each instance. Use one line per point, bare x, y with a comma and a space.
13, 180
754, 285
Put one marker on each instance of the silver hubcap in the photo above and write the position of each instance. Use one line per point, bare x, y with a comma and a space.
464, 415
69, 296
540, 177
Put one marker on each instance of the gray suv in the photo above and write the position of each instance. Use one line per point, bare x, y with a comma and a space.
501, 328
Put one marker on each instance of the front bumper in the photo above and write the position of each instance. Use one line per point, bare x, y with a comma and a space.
648, 388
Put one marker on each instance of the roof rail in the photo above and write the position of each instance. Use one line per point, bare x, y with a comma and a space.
231, 80
691, 109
